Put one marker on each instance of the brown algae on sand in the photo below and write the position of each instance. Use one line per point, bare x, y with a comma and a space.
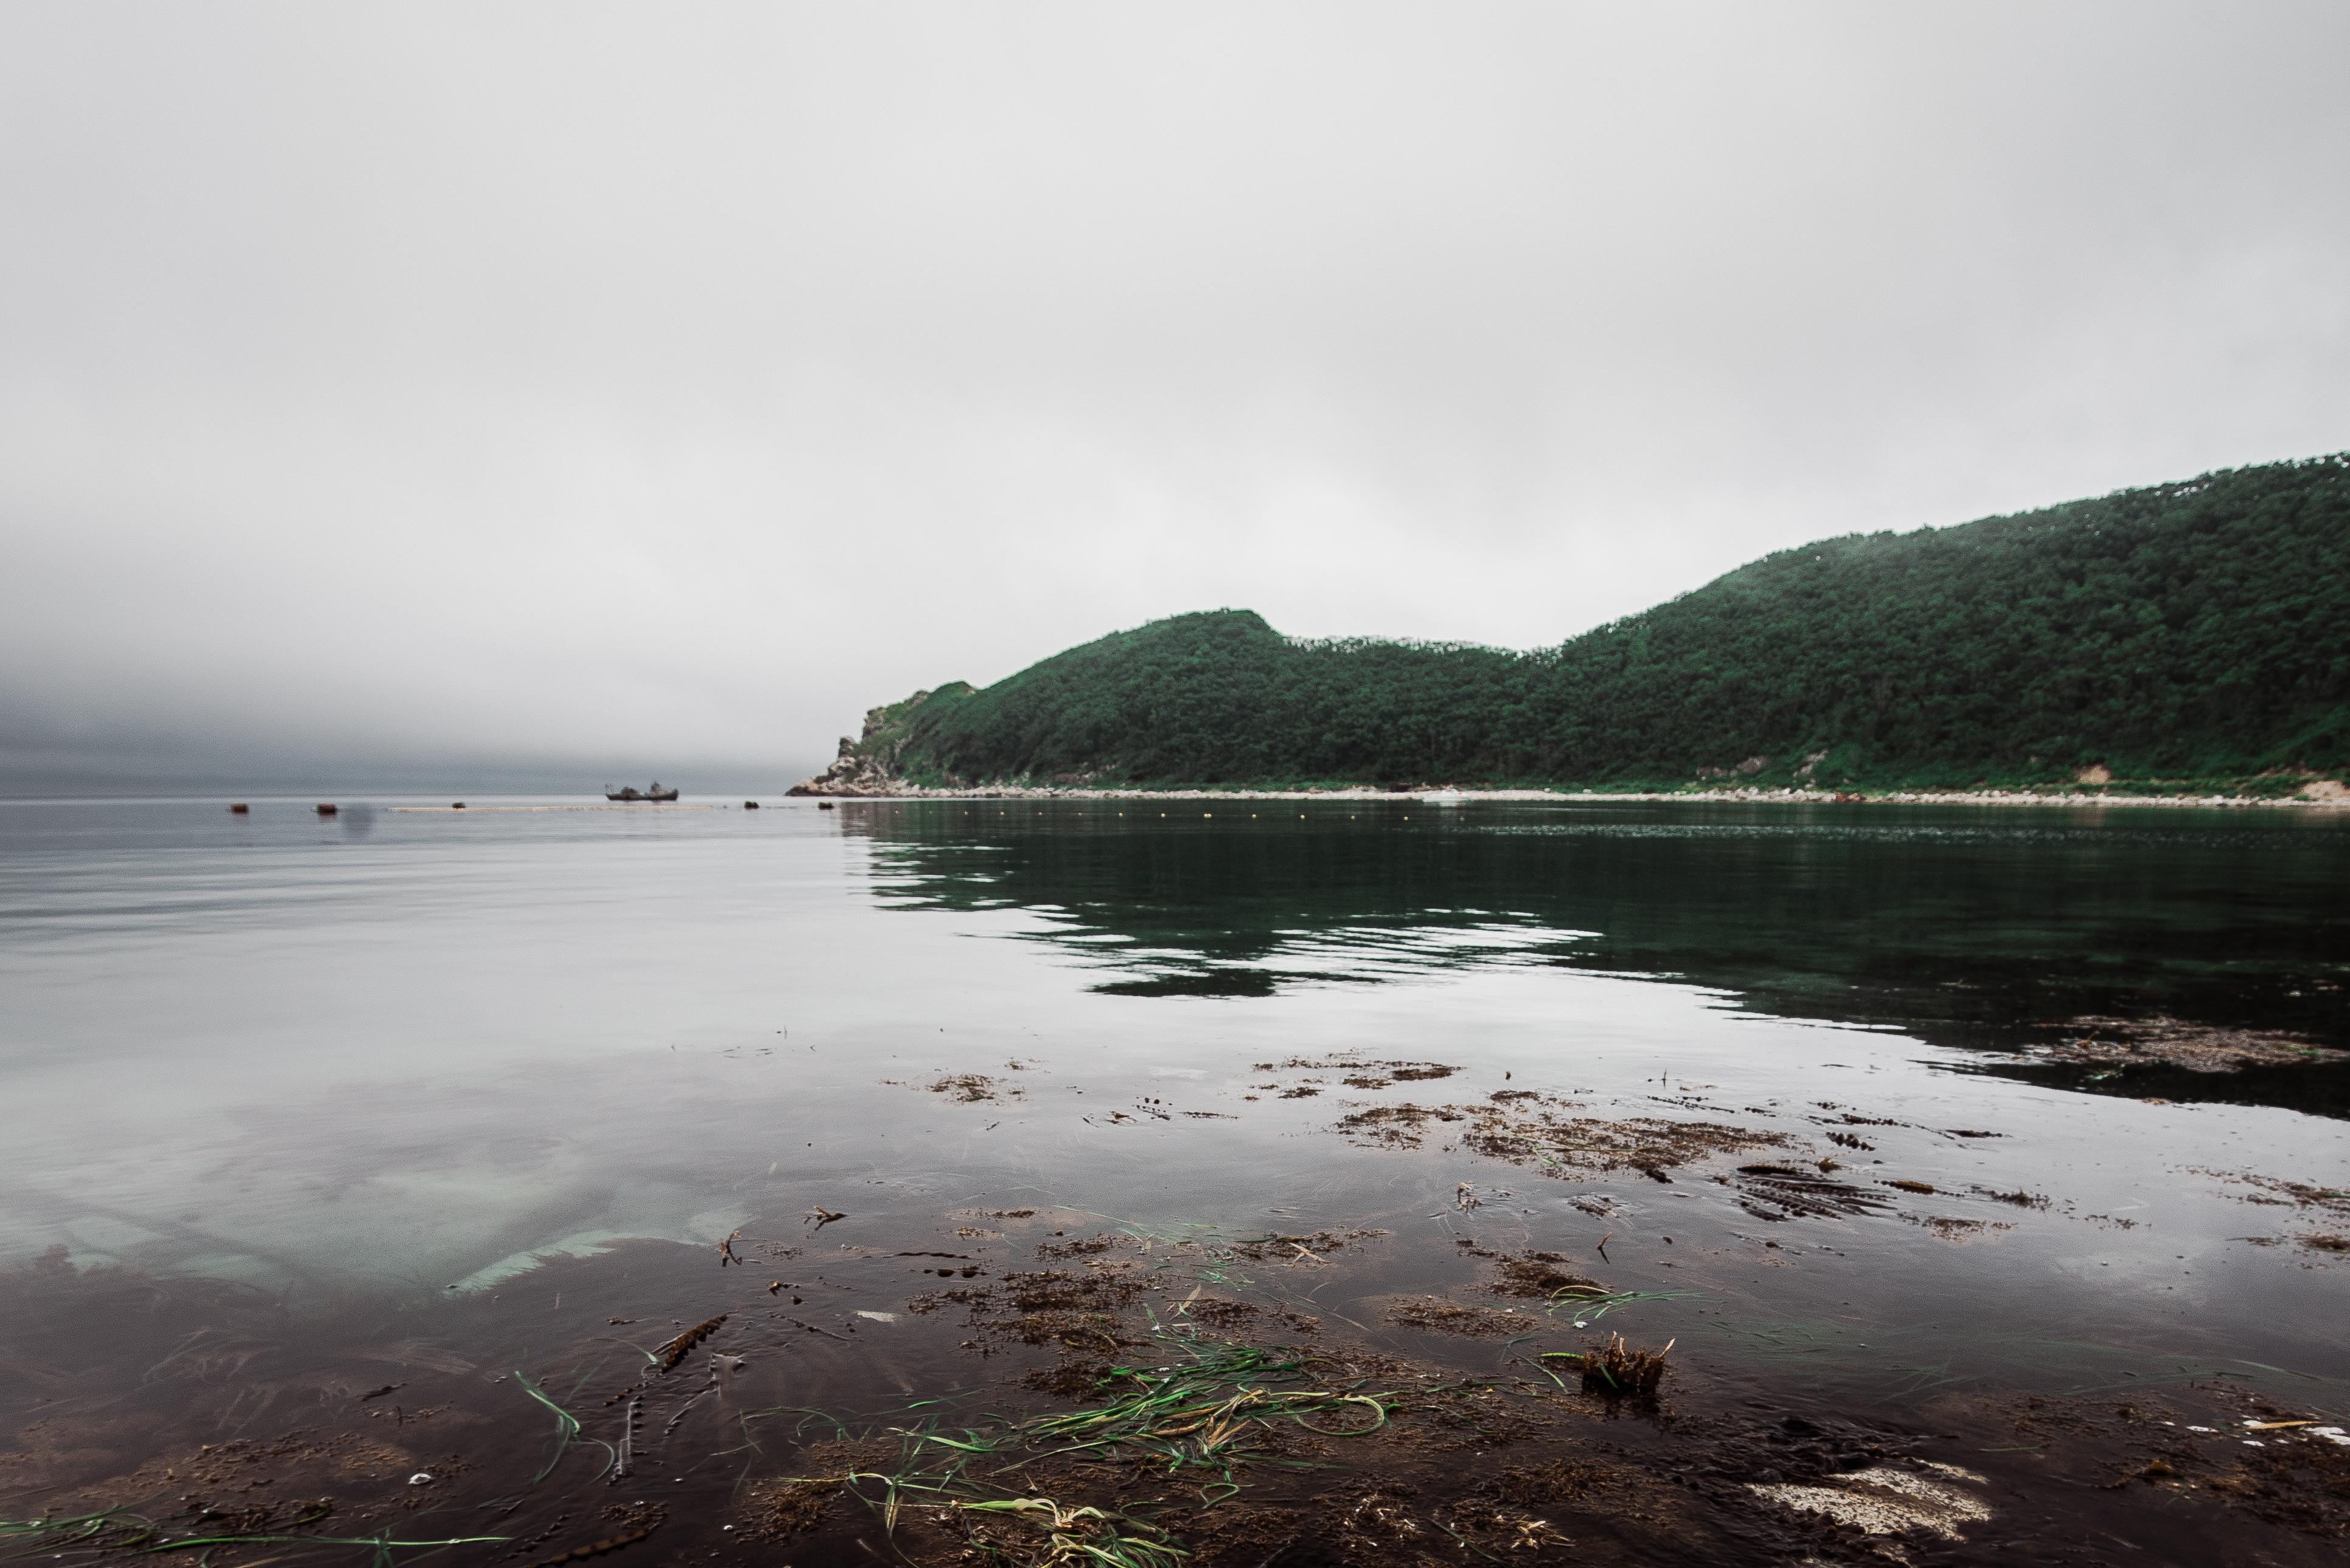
1181, 1397
1133, 1411
2123, 1043
1534, 1130
974, 1087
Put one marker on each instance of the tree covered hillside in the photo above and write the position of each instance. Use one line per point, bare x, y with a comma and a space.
2195, 630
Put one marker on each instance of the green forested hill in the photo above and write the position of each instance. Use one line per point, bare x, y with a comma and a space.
2197, 630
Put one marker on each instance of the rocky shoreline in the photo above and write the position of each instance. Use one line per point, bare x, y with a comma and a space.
877, 788
868, 768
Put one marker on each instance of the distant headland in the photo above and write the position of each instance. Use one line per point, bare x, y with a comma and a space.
2186, 642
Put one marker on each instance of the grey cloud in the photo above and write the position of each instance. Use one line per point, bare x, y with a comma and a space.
557, 385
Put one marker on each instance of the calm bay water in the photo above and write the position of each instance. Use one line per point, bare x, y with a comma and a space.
416, 1079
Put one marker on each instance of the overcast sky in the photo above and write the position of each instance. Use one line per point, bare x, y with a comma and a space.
440, 390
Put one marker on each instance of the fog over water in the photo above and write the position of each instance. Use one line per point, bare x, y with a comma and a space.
530, 396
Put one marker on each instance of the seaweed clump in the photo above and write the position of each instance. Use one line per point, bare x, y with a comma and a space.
1078, 1313
1535, 1276
677, 1349
1615, 1369
2123, 1043
972, 1088
1790, 1192
1399, 1127
780, 1509
1473, 1321
2328, 1206
1525, 1129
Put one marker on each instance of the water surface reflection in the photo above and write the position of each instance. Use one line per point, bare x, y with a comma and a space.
1988, 929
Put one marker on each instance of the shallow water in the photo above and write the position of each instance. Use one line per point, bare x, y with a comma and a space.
306, 1106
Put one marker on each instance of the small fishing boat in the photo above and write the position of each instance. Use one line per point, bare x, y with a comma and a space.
632, 792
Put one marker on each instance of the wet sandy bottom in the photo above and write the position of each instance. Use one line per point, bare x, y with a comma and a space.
1412, 1383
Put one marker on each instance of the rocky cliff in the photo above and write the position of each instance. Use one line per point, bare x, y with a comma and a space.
873, 763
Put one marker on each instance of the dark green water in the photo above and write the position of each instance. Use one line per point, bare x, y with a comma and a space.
305, 1107
1977, 928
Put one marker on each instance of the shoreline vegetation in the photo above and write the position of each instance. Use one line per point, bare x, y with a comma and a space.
2185, 643
1447, 794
